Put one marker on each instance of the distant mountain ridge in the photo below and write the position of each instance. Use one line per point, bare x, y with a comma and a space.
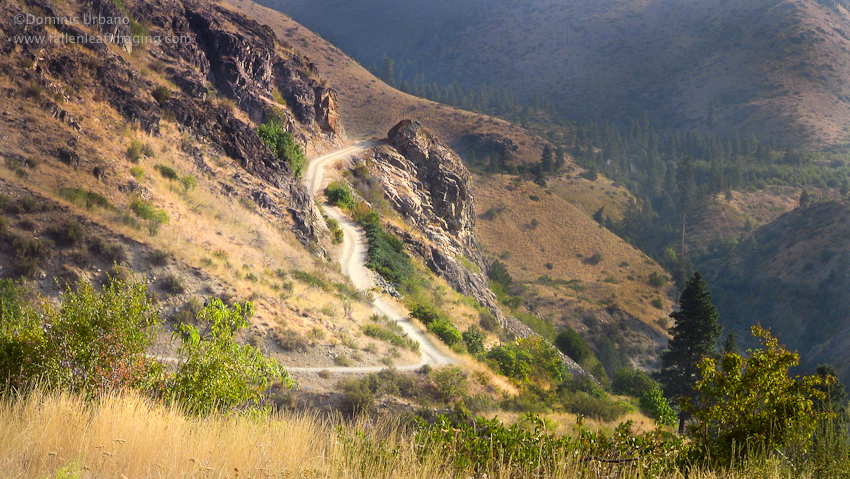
767, 67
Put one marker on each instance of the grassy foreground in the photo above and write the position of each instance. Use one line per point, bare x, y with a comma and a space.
57, 435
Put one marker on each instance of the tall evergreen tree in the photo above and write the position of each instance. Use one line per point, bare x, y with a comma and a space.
695, 336
559, 158
547, 161
730, 344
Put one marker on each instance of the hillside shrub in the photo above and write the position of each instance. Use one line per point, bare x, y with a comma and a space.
747, 406
657, 280
474, 339
450, 383
387, 255
340, 195
95, 342
85, 198
216, 373
173, 284
631, 382
446, 331
281, 143
161, 94
146, 211
167, 172
111, 252
29, 255
425, 312
655, 405
386, 335
488, 322
527, 357
68, 232
573, 345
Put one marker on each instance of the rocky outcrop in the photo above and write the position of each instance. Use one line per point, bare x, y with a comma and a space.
222, 59
428, 184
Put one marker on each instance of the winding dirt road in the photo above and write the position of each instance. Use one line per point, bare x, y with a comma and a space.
353, 262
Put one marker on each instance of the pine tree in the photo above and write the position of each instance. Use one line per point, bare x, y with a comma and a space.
695, 336
559, 158
730, 344
547, 160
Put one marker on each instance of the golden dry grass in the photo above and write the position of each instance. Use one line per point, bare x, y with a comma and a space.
564, 238
58, 435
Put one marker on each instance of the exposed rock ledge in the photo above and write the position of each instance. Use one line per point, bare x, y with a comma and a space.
428, 184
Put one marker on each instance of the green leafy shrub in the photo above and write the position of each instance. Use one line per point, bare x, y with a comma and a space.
29, 255
474, 339
216, 373
167, 172
137, 172
85, 198
281, 143
310, 279
95, 342
189, 183
134, 151
527, 357
631, 382
745, 406
446, 331
573, 345
655, 405
394, 338
426, 313
340, 195
112, 252
387, 256
488, 322
337, 234
450, 383
68, 232
657, 280
357, 397
173, 284
146, 211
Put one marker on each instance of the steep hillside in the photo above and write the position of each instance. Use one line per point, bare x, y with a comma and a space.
792, 275
370, 107
769, 67
572, 270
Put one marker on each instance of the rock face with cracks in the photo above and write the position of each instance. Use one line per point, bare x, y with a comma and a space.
428, 184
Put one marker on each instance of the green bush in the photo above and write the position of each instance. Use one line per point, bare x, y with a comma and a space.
167, 172
146, 211
29, 255
112, 252
340, 195
527, 357
173, 284
631, 382
217, 373
488, 322
384, 334
161, 94
655, 405
85, 198
95, 342
281, 143
657, 280
573, 345
446, 331
450, 383
189, 183
137, 172
387, 256
474, 339
310, 279
357, 397
425, 313
67, 233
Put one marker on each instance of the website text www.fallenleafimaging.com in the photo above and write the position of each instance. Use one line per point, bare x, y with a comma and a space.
115, 24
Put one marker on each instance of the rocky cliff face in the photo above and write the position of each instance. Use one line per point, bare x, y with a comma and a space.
428, 184
222, 59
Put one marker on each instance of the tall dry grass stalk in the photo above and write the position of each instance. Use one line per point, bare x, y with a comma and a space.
58, 435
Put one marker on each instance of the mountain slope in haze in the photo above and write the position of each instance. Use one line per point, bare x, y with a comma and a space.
769, 67
793, 276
